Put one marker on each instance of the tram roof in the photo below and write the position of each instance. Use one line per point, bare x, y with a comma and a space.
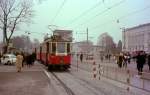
55, 40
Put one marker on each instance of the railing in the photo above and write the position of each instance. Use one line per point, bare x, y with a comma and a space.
123, 75
127, 76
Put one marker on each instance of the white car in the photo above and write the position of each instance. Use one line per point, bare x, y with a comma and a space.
8, 59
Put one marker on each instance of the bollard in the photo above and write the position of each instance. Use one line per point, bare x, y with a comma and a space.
128, 80
94, 70
99, 71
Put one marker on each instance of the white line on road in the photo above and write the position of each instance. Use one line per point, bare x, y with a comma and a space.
47, 74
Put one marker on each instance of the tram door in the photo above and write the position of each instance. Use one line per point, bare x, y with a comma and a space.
40, 53
47, 52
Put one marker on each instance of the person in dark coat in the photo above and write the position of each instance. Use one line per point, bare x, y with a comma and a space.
81, 57
140, 60
102, 58
33, 58
0, 58
129, 59
120, 60
29, 60
148, 61
125, 60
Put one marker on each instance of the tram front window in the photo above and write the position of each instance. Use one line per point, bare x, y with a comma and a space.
60, 47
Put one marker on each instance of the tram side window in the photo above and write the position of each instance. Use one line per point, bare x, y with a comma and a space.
50, 50
43, 48
53, 48
68, 47
47, 47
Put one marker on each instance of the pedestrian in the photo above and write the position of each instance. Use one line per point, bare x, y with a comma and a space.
129, 58
120, 60
101, 58
140, 60
19, 60
125, 61
23, 59
0, 58
81, 57
29, 60
33, 58
148, 61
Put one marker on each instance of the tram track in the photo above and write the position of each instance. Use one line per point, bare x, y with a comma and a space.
95, 87
64, 80
63, 85
67, 89
89, 84
83, 83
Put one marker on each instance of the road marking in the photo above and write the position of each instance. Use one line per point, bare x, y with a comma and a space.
47, 74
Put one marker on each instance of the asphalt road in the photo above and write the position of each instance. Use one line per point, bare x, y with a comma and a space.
31, 81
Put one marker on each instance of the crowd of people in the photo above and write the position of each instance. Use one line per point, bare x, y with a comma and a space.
141, 58
123, 59
24, 59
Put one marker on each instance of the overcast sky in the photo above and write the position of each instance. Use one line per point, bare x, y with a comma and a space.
98, 15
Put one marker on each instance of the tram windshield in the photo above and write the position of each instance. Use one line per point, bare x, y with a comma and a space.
61, 48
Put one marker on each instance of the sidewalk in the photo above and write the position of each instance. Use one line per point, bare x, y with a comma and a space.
31, 81
122, 76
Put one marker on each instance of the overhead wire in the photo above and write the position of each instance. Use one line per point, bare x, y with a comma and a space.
122, 17
29, 33
58, 11
84, 13
102, 12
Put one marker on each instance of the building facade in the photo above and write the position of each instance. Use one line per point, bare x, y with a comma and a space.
106, 41
83, 46
136, 38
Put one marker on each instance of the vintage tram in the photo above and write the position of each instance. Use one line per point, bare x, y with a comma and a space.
56, 50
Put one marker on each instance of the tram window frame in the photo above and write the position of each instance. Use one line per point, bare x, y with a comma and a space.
64, 47
47, 47
53, 48
50, 47
68, 48
43, 48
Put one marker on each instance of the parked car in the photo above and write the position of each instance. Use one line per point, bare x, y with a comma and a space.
8, 59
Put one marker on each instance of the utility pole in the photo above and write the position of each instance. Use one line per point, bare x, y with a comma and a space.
87, 35
124, 38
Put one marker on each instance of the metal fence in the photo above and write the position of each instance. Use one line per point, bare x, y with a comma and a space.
126, 76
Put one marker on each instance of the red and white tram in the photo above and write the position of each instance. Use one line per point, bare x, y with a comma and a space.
55, 52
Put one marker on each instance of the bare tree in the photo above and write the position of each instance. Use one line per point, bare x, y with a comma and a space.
36, 43
18, 42
22, 42
13, 13
119, 46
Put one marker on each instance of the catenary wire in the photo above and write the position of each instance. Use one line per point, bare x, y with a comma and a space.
122, 17
59, 10
84, 13
102, 12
